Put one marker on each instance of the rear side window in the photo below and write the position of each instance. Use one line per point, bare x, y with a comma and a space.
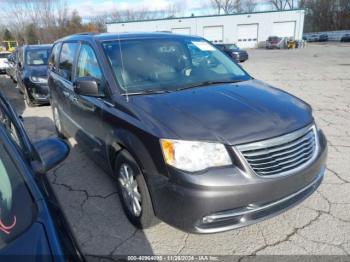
54, 56
67, 56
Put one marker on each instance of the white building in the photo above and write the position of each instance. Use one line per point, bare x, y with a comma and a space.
246, 30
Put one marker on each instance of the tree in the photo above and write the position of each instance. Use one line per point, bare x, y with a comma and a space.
227, 6
234, 6
7, 35
326, 15
249, 6
281, 4
31, 34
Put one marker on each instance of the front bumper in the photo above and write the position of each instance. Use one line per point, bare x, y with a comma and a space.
242, 57
222, 199
39, 93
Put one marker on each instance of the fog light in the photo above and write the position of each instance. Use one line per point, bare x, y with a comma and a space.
207, 220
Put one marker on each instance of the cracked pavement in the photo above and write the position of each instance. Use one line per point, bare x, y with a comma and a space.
320, 75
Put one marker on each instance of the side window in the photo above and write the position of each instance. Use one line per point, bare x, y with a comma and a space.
87, 64
54, 56
67, 55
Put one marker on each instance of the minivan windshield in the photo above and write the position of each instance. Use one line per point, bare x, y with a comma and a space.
168, 64
231, 47
4, 55
37, 57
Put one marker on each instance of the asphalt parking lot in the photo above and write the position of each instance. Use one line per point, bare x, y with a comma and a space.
320, 75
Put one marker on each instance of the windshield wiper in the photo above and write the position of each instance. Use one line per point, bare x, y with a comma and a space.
208, 83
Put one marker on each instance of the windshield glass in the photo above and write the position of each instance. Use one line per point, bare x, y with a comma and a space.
37, 57
168, 64
231, 47
4, 55
16, 204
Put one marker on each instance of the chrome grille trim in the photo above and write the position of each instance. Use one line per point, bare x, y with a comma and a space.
282, 155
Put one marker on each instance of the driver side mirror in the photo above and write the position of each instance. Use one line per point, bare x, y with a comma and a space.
87, 86
51, 152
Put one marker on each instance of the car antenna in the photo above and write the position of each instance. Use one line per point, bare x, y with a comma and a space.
123, 69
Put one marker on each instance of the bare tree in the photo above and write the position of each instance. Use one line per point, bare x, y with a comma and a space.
227, 6
281, 4
144, 13
249, 5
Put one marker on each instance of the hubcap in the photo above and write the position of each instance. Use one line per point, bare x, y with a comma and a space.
130, 189
57, 119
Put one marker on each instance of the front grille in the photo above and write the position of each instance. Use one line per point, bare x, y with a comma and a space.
282, 155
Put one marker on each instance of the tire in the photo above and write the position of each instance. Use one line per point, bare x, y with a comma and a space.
146, 217
29, 102
19, 89
57, 122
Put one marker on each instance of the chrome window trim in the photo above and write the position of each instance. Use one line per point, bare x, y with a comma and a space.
238, 149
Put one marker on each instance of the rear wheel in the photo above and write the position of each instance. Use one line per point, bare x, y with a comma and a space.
133, 191
19, 89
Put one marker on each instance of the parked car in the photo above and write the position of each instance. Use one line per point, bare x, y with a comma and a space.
12, 66
275, 42
233, 51
3, 62
313, 38
32, 73
345, 38
323, 38
187, 134
31, 222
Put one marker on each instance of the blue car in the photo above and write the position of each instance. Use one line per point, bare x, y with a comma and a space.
32, 226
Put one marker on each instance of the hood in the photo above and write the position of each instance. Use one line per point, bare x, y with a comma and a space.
231, 113
41, 70
3, 61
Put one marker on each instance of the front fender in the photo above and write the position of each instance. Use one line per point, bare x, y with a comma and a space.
146, 150
144, 147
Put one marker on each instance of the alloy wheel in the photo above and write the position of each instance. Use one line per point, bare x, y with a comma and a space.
130, 189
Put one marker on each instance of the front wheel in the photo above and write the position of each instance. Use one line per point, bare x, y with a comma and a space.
133, 191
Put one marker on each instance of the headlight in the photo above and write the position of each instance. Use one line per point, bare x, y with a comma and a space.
38, 79
194, 156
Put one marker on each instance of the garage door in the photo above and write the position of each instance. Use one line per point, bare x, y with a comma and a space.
214, 34
247, 36
284, 29
181, 31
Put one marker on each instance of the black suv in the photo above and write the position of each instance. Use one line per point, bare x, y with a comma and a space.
188, 135
32, 73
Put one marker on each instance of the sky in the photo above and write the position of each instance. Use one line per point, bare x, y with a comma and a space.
91, 7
